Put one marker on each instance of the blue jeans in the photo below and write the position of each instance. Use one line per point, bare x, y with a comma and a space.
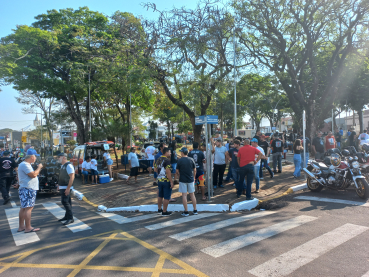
85, 173
174, 167
277, 159
338, 144
236, 177
248, 172
297, 162
257, 176
306, 157
230, 173
264, 162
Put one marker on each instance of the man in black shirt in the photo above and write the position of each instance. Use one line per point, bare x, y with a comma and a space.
318, 146
257, 136
199, 158
234, 166
352, 138
186, 169
277, 147
265, 145
163, 168
7, 166
338, 138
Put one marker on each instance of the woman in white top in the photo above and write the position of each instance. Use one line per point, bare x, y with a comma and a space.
109, 163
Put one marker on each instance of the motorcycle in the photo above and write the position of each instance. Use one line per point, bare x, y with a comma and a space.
337, 174
364, 161
49, 176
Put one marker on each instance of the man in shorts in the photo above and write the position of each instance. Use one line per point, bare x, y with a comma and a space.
186, 169
163, 168
134, 164
150, 150
199, 158
28, 187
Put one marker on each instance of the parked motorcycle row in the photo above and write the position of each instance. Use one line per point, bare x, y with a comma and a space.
340, 170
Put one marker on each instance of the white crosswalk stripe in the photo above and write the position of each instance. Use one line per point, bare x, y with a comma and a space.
58, 212
179, 221
288, 262
20, 238
331, 200
366, 274
122, 220
229, 246
218, 225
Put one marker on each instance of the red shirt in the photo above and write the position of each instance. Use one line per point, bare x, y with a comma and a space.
330, 142
247, 154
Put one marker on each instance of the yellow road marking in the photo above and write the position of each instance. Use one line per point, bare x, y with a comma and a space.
91, 256
89, 202
187, 269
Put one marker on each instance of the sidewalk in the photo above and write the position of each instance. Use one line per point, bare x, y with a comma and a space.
119, 194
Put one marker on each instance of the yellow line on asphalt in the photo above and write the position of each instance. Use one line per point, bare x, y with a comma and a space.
159, 266
289, 191
91, 256
89, 202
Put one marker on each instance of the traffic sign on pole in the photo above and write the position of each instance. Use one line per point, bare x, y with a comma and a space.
24, 139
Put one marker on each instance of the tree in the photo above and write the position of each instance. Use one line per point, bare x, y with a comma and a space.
153, 126
305, 44
190, 50
34, 100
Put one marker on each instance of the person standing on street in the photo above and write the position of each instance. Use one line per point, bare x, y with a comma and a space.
233, 153
297, 149
352, 138
363, 137
257, 136
254, 143
66, 179
28, 187
264, 162
173, 158
219, 162
150, 150
134, 164
186, 169
246, 161
338, 138
109, 162
305, 152
7, 166
199, 158
165, 183
330, 142
318, 146
277, 147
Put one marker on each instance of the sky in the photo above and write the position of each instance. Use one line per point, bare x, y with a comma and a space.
22, 12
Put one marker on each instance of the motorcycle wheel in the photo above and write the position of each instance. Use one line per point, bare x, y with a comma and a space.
313, 185
363, 190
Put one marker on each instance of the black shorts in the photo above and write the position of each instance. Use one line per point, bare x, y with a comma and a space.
134, 171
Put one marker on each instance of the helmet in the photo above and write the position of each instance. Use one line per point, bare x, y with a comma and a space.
345, 152
335, 160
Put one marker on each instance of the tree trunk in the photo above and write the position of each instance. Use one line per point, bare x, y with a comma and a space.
221, 120
360, 114
196, 130
353, 119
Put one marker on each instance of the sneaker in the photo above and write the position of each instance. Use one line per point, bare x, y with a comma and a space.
221, 186
111, 179
195, 212
250, 198
261, 178
279, 171
185, 213
166, 213
257, 191
155, 184
160, 211
215, 187
271, 176
234, 185
151, 174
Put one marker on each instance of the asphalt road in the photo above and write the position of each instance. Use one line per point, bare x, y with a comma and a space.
304, 238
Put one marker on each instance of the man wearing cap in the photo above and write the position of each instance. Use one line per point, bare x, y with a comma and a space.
186, 169
66, 178
7, 166
28, 187
277, 147
220, 157
150, 150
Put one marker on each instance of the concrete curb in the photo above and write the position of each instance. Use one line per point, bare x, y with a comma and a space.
289, 191
245, 205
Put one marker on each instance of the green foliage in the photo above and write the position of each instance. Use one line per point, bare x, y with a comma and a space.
184, 127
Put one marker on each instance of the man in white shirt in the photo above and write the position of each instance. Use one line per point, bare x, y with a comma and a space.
150, 151
86, 168
254, 143
28, 187
93, 169
364, 137
66, 178
220, 157
134, 164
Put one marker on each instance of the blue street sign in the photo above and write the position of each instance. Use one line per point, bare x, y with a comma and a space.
210, 119
2, 137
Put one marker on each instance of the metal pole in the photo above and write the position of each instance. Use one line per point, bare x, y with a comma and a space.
303, 134
130, 119
332, 121
234, 79
41, 129
89, 105
207, 156
210, 164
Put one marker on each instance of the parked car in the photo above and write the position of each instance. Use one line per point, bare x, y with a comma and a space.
156, 144
80, 152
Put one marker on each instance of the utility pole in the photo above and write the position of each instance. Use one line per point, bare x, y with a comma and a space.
89, 106
234, 80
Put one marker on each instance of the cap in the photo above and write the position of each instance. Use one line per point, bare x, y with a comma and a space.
6, 153
32, 151
63, 155
151, 142
254, 140
219, 139
184, 150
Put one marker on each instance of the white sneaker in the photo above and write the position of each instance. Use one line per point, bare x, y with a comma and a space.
151, 174
111, 179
